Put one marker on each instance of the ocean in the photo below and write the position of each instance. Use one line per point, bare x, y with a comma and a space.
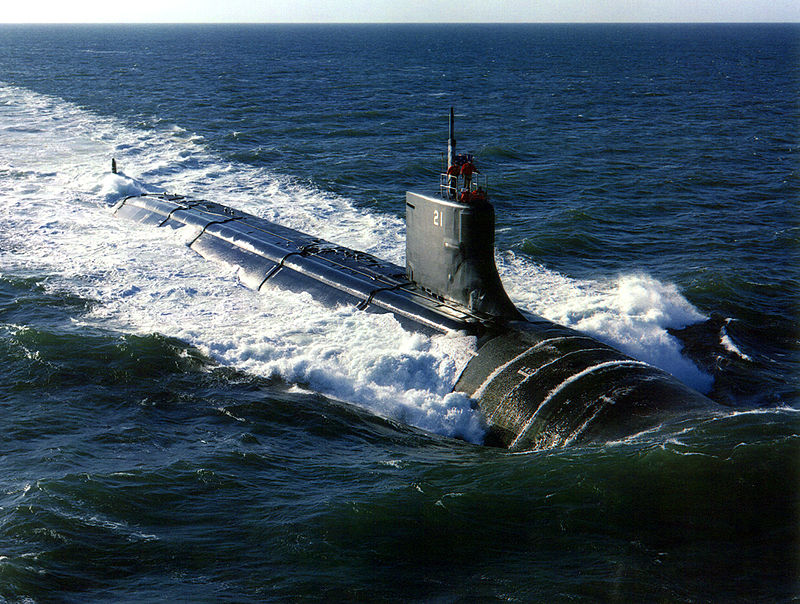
169, 435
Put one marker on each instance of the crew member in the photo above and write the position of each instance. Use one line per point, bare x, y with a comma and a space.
452, 180
466, 171
479, 196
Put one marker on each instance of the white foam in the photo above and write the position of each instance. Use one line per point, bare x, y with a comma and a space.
117, 186
55, 212
630, 312
55, 195
727, 343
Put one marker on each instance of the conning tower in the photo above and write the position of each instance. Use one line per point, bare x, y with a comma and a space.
450, 241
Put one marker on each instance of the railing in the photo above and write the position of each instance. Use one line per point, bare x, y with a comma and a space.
479, 181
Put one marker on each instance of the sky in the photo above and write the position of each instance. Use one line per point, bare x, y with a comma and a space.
397, 11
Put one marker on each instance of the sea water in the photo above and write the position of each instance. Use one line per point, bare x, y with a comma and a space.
168, 433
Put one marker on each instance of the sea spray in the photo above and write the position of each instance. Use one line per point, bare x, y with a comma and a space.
630, 312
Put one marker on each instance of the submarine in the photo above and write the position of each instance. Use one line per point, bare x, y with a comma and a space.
537, 384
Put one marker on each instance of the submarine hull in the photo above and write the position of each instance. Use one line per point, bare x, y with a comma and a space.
537, 384
268, 254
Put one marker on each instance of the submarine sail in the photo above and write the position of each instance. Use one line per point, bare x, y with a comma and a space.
537, 384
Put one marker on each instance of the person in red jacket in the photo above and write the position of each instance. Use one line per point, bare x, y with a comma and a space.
452, 180
466, 171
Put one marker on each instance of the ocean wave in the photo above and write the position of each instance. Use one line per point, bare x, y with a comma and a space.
630, 312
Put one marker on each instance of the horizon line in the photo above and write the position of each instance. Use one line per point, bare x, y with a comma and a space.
400, 22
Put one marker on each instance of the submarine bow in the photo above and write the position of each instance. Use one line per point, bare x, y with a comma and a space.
536, 383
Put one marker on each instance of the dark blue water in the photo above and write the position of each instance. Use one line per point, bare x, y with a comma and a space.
167, 435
